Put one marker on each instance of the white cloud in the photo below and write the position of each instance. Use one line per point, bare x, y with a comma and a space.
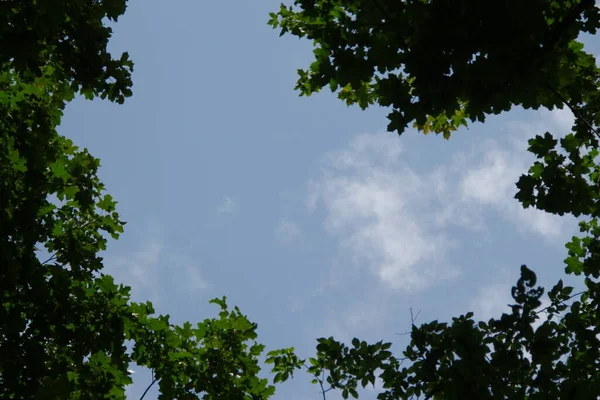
563, 119
492, 301
364, 319
143, 261
227, 206
377, 207
194, 279
398, 221
288, 231
491, 182
153, 267
140, 269
190, 271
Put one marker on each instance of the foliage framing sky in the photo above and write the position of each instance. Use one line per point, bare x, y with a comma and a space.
303, 212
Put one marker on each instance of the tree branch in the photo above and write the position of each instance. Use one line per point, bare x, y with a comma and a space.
562, 302
573, 109
149, 386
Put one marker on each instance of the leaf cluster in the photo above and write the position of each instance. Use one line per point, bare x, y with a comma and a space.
439, 63
70, 35
64, 324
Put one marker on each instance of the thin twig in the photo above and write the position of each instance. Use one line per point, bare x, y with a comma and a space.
52, 257
323, 391
413, 318
149, 386
562, 302
573, 109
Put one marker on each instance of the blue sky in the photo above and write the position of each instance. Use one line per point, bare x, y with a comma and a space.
303, 212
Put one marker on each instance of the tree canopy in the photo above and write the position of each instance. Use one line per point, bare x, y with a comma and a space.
64, 324
439, 63
70, 35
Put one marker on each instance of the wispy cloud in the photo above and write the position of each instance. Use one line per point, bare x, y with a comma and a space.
188, 270
155, 267
194, 279
563, 119
486, 175
401, 223
492, 300
288, 231
365, 319
377, 207
489, 181
227, 206
140, 269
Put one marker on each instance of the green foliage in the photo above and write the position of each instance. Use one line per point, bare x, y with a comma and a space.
64, 325
54, 313
70, 35
504, 358
284, 363
438, 63
217, 358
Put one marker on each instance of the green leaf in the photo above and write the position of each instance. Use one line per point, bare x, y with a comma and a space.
574, 266
19, 164
536, 170
106, 283
107, 203
57, 229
